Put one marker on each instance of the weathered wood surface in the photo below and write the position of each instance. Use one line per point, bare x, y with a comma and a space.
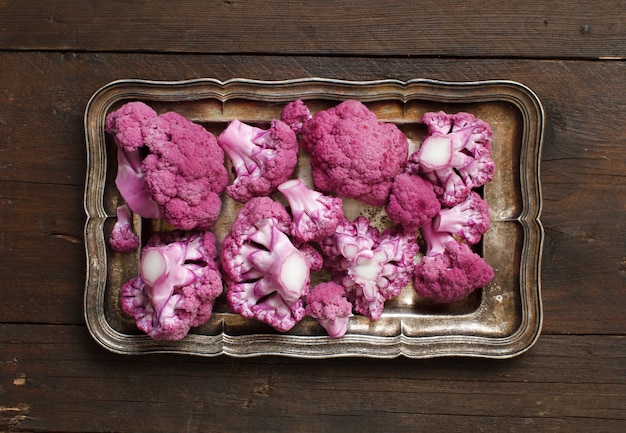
54, 55
475, 28
60, 381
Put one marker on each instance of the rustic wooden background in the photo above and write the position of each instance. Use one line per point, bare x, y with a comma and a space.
55, 54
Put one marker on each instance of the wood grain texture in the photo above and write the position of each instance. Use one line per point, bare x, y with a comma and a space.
532, 29
56, 379
43, 155
54, 55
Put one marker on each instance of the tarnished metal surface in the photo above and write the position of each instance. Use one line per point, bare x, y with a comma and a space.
501, 320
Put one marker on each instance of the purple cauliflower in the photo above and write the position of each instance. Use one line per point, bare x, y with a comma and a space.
373, 267
327, 303
296, 114
314, 216
184, 170
412, 202
469, 219
262, 159
353, 154
450, 270
266, 275
168, 166
455, 156
178, 283
123, 239
126, 123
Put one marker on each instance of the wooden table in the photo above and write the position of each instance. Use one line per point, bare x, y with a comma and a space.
54, 55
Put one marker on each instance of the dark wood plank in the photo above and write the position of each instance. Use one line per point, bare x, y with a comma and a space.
533, 29
55, 378
42, 253
42, 116
43, 168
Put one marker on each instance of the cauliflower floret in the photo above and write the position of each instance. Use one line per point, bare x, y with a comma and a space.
178, 283
455, 156
296, 114
315, 216
450, 270
469, 219
353, 154
327, 303
184, 171
412, 202
168, 166
262, 158
373, 267
123, 239
266, 275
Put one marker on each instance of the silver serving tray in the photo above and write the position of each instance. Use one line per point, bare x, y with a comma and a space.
501, 320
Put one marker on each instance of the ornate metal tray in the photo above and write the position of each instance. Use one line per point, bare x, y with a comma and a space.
499, 321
